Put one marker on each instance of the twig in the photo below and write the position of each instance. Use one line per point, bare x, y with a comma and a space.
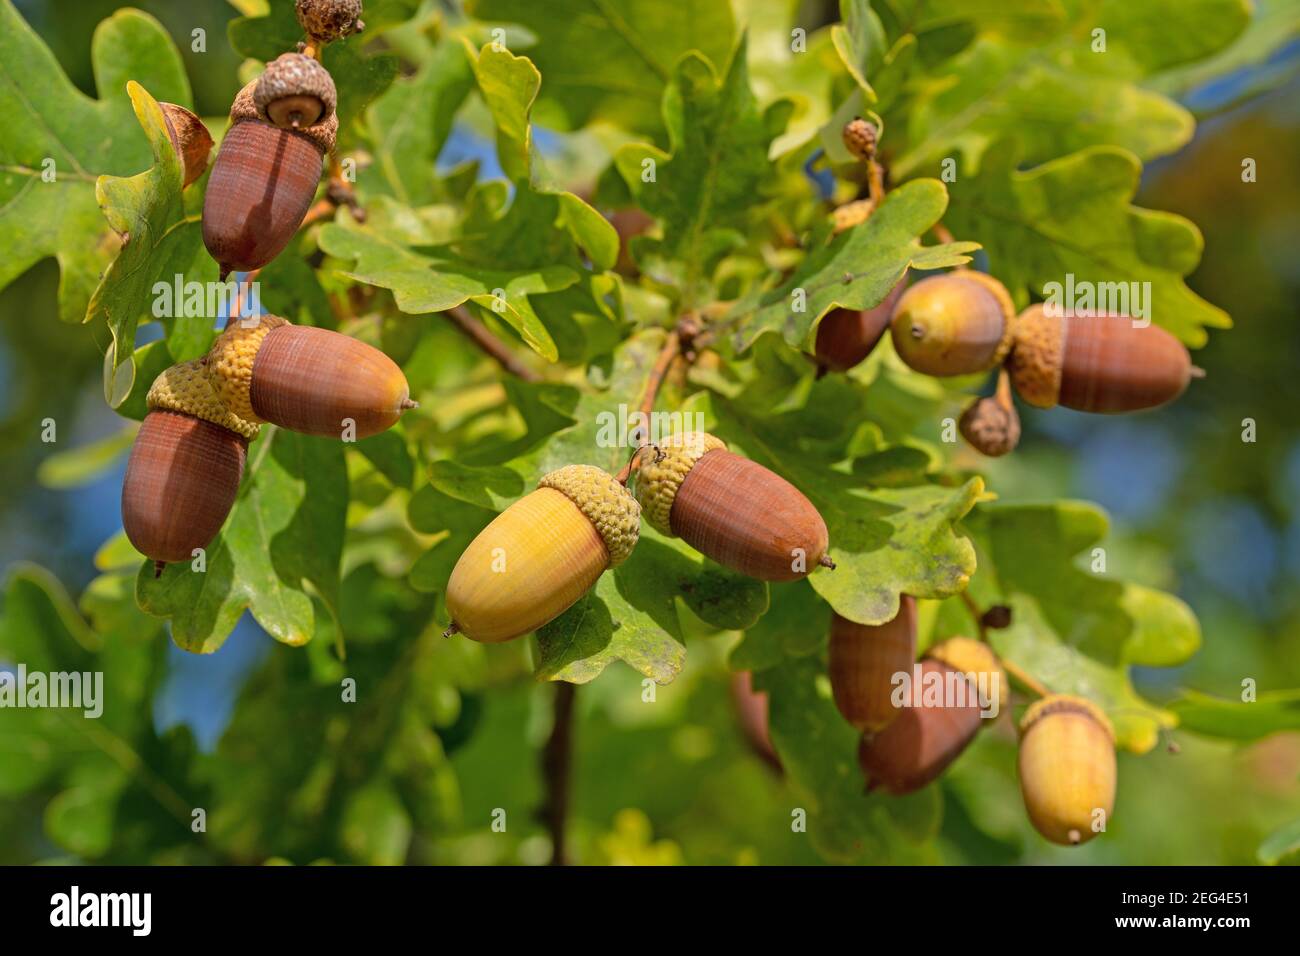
1024, 678
671, 349
237, 304
977, 614
480, 335
557, 762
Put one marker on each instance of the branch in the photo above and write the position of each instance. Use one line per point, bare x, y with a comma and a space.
482, 336
671, 349
557, 761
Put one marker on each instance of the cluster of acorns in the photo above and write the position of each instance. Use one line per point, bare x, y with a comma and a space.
188, 458
964, 322
1067, 754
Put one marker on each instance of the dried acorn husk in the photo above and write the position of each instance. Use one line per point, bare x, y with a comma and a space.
185, 467
992, 425
540, 555
310, 380
847, 336
190, 138
1096, 363
954, 324
731, 509
329, 20
262, 184
920, 743
860, 139
864, 659
752, 715
1067, 768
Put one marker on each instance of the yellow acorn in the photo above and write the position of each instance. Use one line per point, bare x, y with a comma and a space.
977, 661
954, 324
731, 509
1067, 768
540, 555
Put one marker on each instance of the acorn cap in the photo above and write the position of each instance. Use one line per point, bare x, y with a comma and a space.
324, 133
657, 481
992, 428
606, 504
185, 388
860, 138
969, 657
1065, 704
328, 20
229, 363
1036, 360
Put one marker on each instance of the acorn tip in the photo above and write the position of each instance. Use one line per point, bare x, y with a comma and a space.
826, 562
454, 628
158, 569
407, 403
1196, 372
1075, 837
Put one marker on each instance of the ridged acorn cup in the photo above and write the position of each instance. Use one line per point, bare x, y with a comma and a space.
262, 184
1067, 768
540, 555
190, 138
847, 336
731, 509
294, 92
306, 379
1096, 363
185, 467
954, 324
328, 20
920, 743
863, 662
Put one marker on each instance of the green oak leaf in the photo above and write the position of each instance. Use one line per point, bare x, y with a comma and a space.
86, 463
1054, 95
1281, 846
1269, 713
818, 750
1077, 631
632, 613
159, 242
614, 60
1073, 216
706, 188
855, 270
861, 43
286, 530
49, 128
409, 124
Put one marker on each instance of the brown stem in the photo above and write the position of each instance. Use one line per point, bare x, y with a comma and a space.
875, 182
237, 306
1024, 678
1003, 393
976, 613
557, 764
671, 349
482, 336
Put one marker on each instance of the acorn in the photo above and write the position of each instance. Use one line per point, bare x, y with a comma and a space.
190, 138
921, 741
1096, 363
992, 424
752, 715
1067, 768
863, 661
310, 380
954, 324
264, 180
977, 661
328, 20
540, 555
185, 467
731, 509
846, 336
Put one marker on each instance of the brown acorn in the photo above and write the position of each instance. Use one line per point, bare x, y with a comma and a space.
920, 742
752, 715
262, 184
846, 336
731, 509
307, 379
1096, 363
190, 138
954, 324
863, 662
185, 467
1067, 768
